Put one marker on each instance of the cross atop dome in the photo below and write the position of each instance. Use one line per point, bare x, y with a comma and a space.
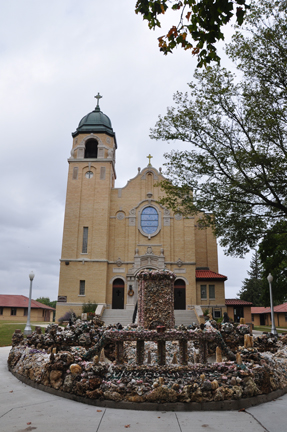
98, 97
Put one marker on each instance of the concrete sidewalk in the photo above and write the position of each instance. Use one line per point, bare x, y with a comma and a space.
23, 408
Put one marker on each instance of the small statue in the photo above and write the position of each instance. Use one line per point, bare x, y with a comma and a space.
225, 317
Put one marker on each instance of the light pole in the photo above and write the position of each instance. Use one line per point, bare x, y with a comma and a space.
273, 328
28, 330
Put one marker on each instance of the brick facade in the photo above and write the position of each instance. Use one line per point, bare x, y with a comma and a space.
117, 247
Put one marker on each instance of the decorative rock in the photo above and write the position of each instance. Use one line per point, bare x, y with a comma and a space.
113, 395
218, 355
56, 379
238, 358
162, 394
75, 369
174, 359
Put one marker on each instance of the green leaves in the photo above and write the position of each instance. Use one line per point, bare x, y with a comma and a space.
235, 161
199, 25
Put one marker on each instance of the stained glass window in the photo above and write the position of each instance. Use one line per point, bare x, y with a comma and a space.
149, 220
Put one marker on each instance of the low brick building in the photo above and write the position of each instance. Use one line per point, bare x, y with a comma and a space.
237, 309
15, 308
262, 315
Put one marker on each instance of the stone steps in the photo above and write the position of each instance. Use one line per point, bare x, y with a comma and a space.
185, 317
114, 316
123, 316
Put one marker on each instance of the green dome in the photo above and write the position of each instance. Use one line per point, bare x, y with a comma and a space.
95, 121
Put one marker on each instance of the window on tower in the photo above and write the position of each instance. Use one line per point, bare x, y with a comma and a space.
82, 287
91, 149
85, 240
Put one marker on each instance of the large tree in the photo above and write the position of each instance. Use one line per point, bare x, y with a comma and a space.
234, 168
199, 23
253, 286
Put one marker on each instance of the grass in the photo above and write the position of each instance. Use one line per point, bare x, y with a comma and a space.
7, 329
268, 328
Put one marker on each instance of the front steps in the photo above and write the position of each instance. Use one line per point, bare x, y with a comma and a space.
185, 317
125, 317
115, 316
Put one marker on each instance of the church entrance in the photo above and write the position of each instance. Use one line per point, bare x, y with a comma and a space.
179, 295
118, 294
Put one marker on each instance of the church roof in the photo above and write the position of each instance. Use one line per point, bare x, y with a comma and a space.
208, 274
95, 121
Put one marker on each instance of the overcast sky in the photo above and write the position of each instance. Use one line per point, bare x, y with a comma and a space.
55, 57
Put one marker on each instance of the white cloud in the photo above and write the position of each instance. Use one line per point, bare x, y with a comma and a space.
55, 56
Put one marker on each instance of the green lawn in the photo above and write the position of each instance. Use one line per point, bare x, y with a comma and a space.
7, 329
268, 328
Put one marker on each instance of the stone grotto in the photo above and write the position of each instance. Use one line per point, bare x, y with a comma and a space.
152, 362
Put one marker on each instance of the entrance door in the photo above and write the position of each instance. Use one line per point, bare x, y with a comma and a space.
238, 313
179, 294
262, 319
118, 294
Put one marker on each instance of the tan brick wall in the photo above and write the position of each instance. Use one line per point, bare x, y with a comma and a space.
95, 203
36, 315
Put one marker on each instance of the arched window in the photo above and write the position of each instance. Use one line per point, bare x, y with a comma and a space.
91, 149
179, 295
149, 220
118, 294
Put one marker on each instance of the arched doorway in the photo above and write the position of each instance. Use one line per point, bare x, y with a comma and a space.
179, 295
118, 294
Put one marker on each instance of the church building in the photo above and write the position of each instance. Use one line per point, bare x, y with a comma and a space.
111, 233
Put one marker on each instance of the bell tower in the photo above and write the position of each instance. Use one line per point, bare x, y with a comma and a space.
91, 177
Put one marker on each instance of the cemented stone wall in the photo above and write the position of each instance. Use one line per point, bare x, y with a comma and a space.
59, 359
156, 299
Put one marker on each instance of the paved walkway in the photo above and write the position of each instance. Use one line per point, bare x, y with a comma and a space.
23, 408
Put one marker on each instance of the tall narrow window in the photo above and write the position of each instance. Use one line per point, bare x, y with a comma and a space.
203, 292
75, 173
212, 291
1, 311
85, 240
82, 287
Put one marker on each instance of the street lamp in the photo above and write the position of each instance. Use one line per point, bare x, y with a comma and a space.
273, 328
28, 330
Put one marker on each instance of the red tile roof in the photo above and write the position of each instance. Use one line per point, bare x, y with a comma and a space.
260, 310
237, 302
208, 274
280, 308
10, 300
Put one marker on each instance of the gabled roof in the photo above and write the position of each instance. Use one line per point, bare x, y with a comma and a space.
208, 274
237, 302
259, 310
10, 300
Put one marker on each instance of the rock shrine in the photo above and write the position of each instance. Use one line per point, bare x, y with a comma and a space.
60, 360
156, 299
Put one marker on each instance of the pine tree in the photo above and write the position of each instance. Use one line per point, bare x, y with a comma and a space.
252, 288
